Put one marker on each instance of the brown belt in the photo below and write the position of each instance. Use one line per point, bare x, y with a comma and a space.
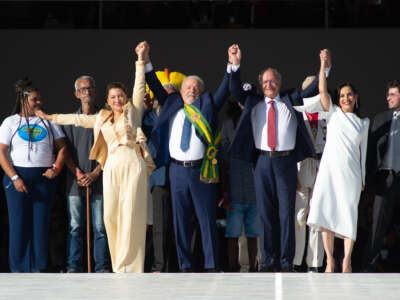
187, 163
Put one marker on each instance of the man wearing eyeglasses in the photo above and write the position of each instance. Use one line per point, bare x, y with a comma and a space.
384, 171
84, 173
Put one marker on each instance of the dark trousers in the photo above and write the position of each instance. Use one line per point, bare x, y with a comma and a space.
29, 216
386, 203
162, 226
275, 181
190, 194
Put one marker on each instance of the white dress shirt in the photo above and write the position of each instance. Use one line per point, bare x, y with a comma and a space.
286, 125
196, 147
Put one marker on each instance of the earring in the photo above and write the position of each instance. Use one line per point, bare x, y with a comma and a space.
356, 104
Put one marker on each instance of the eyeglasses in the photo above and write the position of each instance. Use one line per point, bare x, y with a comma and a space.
272, 81
85, 89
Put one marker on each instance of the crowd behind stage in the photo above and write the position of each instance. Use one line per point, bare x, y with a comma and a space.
293, 181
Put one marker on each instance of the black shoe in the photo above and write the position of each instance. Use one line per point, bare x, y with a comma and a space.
299, 269
186, 270
370, 268
313, 270
211, 270
234, 269
266, 269
287, 269
253, 270
72, 271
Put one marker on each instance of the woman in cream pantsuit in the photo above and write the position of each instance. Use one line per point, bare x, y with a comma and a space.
119, 146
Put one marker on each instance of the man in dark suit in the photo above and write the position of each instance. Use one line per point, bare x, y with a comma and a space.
178, 142
273, 135
384, 170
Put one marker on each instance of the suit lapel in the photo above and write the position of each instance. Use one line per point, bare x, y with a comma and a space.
170, 109
308, 126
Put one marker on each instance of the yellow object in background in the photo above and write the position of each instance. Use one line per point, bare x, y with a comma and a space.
176, 78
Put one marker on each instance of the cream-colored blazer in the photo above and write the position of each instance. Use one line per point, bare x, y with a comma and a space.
130, 135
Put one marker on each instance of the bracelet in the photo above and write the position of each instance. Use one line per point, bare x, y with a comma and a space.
15, 177
78, 173
56, 168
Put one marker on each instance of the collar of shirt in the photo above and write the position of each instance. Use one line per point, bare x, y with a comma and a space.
396, 114
277, 98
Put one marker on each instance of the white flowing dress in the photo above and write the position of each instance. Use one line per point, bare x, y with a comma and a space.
334, 204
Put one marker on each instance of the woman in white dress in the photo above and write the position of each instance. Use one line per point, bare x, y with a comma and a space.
340, 180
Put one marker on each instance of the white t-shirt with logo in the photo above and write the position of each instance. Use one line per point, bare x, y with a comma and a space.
30, 146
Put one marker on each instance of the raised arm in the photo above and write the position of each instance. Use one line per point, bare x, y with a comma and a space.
323, 85
155, 85
222, 93
139, 86
313, 88
235, 84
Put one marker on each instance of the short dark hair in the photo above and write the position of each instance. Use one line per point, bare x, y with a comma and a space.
352, 87
394, 84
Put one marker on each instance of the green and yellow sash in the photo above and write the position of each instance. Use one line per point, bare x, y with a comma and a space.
209, 172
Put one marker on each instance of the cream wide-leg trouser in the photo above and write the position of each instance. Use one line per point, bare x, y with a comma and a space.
125, 209
315, 250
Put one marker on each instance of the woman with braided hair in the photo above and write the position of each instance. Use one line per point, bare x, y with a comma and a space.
27, 145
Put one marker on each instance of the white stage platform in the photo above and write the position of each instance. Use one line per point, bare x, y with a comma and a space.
276, 286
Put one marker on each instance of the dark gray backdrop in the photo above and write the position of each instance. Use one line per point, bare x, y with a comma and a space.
53, 59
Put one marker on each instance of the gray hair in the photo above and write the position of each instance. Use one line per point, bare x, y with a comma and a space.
90, 78
274, 71
199, 80
171, 86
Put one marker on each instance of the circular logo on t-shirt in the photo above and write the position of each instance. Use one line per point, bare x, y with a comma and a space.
36, 132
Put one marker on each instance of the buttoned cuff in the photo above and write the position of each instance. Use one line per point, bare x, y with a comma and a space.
148, 67
235, 68
327, 71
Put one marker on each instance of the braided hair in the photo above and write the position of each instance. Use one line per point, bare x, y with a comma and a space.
23, 87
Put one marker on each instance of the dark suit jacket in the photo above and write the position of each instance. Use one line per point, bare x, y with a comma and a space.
377, 144
206, 103
243, 146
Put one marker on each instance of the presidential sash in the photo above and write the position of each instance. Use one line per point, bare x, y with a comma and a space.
209, 172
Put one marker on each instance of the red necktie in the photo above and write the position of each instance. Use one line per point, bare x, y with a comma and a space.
271, 142
313, 119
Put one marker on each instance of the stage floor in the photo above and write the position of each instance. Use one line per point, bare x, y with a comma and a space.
275, 286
